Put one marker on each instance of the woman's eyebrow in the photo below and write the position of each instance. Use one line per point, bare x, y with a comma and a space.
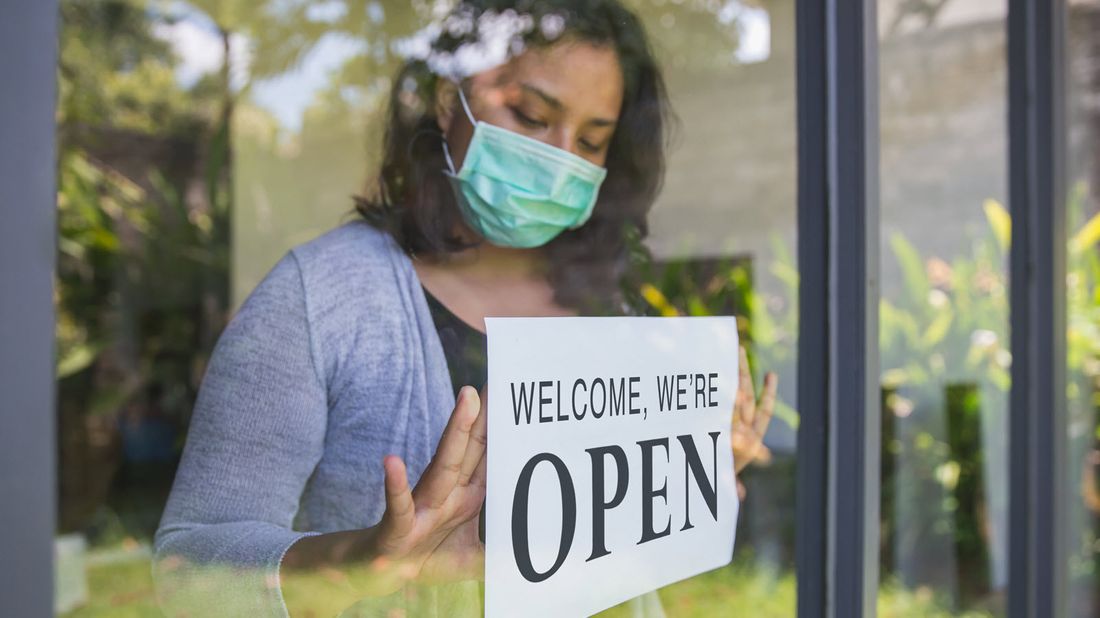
551, 101
556, 104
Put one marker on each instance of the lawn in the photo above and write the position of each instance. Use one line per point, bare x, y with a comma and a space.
120, 586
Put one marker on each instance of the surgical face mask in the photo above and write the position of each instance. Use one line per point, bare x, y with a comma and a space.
517, 191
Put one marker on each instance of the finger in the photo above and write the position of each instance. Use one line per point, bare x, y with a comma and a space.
763, 455
743, 440
400, 508
442, 474
746, 390
479, 477
739, 398
767, 404
746, 446
475, 447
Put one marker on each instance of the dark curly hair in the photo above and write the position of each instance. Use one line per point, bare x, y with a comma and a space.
412, 200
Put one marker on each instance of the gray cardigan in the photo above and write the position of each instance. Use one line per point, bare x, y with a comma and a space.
331, 363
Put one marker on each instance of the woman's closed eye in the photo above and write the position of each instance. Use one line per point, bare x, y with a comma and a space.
537, 122
588, 146
528, 120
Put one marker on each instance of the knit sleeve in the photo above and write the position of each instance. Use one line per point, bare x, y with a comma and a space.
255, 437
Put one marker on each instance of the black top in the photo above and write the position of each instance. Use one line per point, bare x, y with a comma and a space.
467, 361
463, 346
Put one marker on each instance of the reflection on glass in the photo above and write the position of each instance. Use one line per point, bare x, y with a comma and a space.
1083, 307
141, 288
944, 309
723, 243
201, 140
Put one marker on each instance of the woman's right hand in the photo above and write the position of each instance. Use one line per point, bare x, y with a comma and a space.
430, 533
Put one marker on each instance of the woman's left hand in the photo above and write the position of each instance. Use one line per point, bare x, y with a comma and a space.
751, 418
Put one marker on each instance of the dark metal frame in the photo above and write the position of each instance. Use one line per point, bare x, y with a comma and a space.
811, 500
838, 234
1037, 584
28, 237
839, 430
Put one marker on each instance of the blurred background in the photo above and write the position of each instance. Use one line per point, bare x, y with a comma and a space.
198, 141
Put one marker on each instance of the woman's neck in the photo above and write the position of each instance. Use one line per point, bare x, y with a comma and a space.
487, 280
489, 262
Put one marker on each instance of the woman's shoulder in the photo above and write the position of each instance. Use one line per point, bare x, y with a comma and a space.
348, 266
338, 276
356, 267
349, 283
353, 245
354, 257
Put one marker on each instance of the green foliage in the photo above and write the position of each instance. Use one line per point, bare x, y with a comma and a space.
114, 72
945, 359
143, 212
92, 204
135, 259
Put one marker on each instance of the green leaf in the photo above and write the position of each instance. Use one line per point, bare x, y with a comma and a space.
1000, 221
895, 378
912, 268
696, 306
786, 413
1000, 378
70, 247
938, 329
76, 359
657, 300
780, 250
105, 239
787, 274
1087, 237
763, 325
897, 326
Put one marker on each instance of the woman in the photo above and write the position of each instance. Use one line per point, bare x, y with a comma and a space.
330, 434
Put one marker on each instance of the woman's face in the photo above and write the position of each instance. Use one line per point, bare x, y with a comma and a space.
567, 95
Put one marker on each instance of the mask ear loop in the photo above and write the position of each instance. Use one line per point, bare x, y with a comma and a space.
450, 162
470, 115
466, 106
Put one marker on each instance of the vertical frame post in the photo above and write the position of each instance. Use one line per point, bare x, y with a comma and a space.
28, 66
854, 402
812, 477
839, 432
1037, 425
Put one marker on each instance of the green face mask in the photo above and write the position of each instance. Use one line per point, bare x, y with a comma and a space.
519, 192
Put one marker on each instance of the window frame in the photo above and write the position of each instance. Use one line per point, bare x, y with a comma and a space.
28, 241
838, 204
837, 174
1037, 577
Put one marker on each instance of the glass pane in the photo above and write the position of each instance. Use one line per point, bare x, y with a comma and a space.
1083, 307
201, 141
723, 238
944, 308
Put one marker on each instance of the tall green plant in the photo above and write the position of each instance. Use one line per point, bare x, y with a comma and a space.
142, 215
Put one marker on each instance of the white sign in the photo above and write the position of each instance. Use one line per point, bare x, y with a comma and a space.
610, 470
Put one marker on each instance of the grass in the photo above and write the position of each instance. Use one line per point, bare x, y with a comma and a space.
122, 587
